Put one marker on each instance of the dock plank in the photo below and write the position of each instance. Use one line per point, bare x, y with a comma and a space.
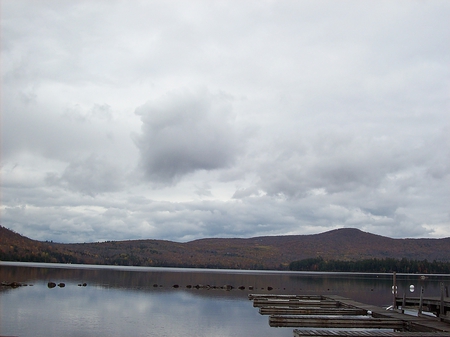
433, 304
264, 302
359, 333
334, 322
311, 311
414, 323
333, 311
275, 296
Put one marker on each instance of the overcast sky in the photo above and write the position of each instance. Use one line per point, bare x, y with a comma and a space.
181, 120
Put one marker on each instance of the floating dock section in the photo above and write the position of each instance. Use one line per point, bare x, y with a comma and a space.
340, 313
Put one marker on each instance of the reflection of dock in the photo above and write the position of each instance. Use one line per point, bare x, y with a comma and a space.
336, 312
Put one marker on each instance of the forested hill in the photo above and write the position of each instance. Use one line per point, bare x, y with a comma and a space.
270, 252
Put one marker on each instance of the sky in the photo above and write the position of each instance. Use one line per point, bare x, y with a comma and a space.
181, 120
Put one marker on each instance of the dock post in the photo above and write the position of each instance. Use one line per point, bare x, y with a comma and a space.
404, 303
441, 309
394, 291
421, 300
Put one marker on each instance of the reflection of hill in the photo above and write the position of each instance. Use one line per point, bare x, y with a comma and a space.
374, 289
145, 280
272, 252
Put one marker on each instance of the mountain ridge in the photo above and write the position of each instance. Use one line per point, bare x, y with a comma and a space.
264, 252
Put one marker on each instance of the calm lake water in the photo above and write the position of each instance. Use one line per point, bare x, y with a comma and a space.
141, 301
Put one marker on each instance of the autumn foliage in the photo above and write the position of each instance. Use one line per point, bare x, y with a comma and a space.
270, 252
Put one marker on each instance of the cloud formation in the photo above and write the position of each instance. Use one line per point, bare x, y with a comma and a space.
90, 176
127, 120
185, 132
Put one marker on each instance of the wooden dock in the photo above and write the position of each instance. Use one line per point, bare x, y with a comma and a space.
264, 302
311, 311
436, 305
370, 333
336, 312
329, 322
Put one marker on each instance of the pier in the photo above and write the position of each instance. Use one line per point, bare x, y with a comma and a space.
437, 306
335, 312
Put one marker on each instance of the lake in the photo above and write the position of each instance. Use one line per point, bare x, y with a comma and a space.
146, 301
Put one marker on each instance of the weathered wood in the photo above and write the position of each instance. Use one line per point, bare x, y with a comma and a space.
264, 302
413, 323
403, 303
359, 333
394, 290
275, 296
421, 300
437, 305
329, 312
335, 322
311, 311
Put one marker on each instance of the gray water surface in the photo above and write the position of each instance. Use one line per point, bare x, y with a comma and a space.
140, 301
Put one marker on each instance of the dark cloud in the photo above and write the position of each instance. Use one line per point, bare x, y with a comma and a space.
184, 132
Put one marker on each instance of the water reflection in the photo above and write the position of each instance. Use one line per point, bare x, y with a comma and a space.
125, 302
101, 311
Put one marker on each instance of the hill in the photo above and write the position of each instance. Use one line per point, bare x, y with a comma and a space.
269, 252
16, 247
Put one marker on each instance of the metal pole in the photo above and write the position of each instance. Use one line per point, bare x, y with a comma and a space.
394, 291
404, 303
421, 300
441, 309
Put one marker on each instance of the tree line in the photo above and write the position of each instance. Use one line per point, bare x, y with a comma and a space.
387, 265
48, 256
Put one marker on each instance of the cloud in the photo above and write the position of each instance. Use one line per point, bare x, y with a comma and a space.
293, 118
90, 176
184, 132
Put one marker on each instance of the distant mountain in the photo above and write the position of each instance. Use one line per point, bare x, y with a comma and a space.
268, 252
